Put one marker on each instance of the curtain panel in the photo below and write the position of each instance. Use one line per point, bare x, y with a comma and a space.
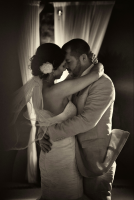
28, 43
85, 20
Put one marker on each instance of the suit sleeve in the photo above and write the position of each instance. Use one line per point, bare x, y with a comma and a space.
100, 97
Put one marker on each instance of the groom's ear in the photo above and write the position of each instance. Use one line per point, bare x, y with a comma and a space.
83, 58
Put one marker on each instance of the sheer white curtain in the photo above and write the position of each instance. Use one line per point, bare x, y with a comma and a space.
85, 20
28, 43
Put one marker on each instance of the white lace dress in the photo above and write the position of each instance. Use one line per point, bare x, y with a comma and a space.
60, 178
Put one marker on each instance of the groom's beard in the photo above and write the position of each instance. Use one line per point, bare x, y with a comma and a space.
77, 71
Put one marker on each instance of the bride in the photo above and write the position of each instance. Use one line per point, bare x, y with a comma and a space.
60, 178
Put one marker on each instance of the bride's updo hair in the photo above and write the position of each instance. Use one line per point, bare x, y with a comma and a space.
47, 52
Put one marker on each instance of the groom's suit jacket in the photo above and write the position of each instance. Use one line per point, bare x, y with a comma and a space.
92, 125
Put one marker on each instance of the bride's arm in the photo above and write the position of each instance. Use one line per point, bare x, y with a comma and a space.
68, 87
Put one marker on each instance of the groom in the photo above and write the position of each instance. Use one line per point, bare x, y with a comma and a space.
92, 125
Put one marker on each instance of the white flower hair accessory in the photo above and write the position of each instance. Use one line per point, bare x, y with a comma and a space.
46, 68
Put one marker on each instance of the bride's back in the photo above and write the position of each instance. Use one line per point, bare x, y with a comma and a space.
53, 102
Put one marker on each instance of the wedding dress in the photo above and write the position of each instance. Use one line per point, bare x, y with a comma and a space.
60, 178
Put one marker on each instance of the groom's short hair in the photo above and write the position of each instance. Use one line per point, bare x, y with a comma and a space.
77, 47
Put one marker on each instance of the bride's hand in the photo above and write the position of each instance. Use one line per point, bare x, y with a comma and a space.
94, 58
98, 70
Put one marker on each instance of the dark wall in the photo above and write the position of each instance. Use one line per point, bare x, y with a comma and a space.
10, 79
117, 55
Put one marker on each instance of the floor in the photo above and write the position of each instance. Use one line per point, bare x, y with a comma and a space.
33, 194
121, 191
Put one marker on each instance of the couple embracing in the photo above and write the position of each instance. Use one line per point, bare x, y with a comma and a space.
75, 123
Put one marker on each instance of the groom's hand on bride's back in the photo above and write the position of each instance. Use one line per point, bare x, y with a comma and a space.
45, 144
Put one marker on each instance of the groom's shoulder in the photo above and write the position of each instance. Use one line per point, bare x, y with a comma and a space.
105, 79
103, 82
